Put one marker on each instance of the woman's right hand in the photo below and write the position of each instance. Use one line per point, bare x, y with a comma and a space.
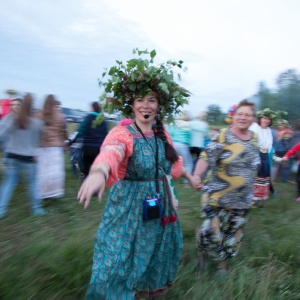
198, 181
94, 183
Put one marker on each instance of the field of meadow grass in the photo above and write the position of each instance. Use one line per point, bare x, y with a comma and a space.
50, 257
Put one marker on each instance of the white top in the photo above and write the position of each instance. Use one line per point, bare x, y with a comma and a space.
265, 137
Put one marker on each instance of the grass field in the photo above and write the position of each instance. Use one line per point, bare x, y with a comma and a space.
50, 257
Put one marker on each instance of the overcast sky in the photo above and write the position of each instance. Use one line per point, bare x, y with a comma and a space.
62, 47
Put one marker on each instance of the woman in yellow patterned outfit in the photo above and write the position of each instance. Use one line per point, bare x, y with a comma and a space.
232, 160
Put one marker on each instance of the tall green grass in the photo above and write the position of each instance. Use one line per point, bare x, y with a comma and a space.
51, 257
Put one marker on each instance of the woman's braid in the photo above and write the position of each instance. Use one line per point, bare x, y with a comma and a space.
170, 153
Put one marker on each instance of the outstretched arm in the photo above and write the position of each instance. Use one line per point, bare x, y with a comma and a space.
94, 183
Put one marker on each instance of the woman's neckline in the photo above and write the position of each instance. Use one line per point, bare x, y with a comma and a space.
147, 130
244, 137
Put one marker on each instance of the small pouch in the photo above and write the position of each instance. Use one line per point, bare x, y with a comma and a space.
152, 209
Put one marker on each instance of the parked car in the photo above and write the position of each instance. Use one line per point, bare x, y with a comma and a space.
73, 115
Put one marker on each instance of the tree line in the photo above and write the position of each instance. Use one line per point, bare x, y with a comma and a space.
285, 96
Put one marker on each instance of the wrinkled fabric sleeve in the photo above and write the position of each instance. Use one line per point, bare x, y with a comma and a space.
177, 167
293, 151
115, 151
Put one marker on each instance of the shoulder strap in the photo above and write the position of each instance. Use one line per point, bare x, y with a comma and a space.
221, 136
254, 139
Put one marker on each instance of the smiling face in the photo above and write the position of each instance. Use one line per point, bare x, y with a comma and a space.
147, 105
15, 106
265, 122
243, 117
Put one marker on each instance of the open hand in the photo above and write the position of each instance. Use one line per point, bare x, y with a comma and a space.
94, 183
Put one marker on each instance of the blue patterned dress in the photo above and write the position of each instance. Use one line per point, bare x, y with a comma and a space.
131, 255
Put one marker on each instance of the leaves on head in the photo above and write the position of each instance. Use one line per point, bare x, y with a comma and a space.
274, 115
139, 77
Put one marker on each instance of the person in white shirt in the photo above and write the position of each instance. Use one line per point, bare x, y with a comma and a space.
265, 142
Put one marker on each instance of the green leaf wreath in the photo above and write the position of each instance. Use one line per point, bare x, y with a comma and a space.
139, 77
274, 115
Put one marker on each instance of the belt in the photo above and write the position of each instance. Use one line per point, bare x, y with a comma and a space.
143, 180
24, 158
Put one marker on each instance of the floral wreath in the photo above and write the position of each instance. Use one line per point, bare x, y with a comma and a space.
139, 77
274, 115
230, 114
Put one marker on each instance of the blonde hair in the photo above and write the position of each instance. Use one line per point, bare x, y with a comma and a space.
184, 116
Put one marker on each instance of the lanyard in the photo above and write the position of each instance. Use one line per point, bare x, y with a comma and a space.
156, 154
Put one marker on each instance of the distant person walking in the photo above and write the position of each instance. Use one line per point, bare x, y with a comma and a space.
286, 157
265, 143
180, 133
23, 137
93, 137
14, 108
50, 154
284, 136
199, 132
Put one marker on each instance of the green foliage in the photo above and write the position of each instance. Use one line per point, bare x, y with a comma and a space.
98, 120
11, 92
139, 77
274, 115
214, 114
286, 96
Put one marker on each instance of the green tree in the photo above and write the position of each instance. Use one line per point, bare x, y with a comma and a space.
214, 114
287, 78
267, 97
285, 97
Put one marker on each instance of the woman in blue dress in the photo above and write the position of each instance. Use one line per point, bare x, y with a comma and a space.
139, 241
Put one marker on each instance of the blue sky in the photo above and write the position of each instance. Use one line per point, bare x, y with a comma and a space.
62, 47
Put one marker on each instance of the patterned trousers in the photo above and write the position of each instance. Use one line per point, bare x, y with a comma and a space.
221, 232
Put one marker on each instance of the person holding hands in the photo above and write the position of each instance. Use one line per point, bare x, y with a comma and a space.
139, 241
232, 159
286, 157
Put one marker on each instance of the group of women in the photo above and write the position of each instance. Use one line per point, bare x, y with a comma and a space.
33, 144
139, 241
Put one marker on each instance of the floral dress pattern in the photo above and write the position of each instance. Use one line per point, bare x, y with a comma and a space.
131, 255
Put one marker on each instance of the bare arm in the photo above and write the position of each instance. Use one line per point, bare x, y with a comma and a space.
200, 169
192, 180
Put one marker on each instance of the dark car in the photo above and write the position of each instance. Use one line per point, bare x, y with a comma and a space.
73, 115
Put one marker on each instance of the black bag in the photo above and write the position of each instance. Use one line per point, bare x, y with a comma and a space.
152, 209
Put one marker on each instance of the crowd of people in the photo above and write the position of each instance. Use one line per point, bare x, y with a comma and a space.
139, 241
35, 143
190, 136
